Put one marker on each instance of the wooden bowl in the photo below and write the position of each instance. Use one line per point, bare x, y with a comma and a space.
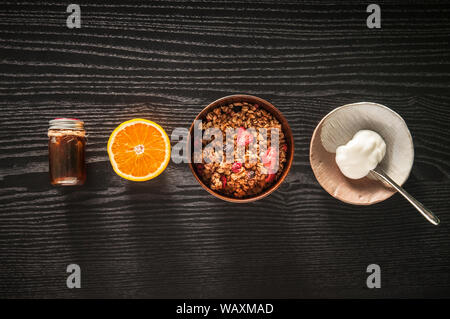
286, 130
337, 128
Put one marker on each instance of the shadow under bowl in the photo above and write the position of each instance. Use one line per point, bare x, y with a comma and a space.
286, 130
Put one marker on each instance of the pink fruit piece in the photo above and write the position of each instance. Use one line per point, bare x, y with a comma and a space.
270, 178
244, 137
270, 158
284, 147
223, 179
236, 167
249, 139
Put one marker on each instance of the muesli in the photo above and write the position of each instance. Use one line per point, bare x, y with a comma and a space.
262, 162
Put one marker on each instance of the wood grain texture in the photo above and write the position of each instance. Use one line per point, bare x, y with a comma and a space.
168, 237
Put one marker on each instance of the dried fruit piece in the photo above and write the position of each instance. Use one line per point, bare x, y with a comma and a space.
270, 158
236, 167
223, 179
200, 168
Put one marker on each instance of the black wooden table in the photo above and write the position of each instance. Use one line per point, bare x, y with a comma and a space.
168, 237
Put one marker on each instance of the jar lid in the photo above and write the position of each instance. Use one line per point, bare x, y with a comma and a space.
62, 123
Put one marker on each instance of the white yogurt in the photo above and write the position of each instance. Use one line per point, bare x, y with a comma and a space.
361, 154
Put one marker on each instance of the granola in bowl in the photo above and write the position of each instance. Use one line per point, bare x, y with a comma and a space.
248, 163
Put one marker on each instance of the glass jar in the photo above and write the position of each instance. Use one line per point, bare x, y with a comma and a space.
66, 152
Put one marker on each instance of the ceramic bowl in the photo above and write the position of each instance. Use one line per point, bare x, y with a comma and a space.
337, 128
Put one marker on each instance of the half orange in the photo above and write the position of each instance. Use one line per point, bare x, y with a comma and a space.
139, 150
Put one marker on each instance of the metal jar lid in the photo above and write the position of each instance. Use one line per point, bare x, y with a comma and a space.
66, 124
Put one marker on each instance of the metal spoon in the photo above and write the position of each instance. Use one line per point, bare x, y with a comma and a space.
428, 214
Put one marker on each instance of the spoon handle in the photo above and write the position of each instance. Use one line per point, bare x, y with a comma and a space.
428, 214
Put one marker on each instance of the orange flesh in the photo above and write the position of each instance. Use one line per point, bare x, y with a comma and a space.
127, 148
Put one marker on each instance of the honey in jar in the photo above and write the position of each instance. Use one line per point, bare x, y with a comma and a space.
66, 152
